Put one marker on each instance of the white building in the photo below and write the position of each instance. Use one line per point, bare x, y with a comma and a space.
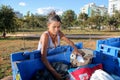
93, 9
113, 6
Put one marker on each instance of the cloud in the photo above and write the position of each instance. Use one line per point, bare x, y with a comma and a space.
22, 4
45, 11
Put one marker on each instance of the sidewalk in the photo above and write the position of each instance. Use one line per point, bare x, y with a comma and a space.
71, 36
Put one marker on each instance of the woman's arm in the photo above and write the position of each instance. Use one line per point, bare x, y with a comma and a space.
44, 56
63, 37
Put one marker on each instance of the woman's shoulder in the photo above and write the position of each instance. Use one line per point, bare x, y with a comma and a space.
45, 34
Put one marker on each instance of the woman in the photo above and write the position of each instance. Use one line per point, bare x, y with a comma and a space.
51, 39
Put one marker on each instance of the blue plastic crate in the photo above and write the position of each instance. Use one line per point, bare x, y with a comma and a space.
109, 46
111, 64
25, 64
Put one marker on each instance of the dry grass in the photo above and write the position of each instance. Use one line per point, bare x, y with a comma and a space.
8, 46
11, 45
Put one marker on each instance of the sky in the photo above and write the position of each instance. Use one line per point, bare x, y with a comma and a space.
44, 6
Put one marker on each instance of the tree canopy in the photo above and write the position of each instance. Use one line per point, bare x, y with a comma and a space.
68, 18
7, 20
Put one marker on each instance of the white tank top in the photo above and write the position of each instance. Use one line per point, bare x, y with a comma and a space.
50, 43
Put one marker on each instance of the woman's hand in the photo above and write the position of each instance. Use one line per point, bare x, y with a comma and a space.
78, 52
57, 76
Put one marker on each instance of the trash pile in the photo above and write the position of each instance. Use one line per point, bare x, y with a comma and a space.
80, 68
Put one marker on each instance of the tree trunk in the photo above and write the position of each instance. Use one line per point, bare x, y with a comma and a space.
110, 27
4, 34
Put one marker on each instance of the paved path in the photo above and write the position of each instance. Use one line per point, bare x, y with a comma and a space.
71, 36
7, 78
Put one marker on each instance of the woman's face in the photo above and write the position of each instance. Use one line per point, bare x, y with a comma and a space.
54, 27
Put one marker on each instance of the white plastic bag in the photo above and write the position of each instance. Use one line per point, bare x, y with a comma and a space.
101, 75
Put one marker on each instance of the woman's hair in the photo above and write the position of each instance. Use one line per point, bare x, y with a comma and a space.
52, 16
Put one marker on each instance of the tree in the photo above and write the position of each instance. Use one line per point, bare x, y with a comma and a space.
68, 18
117, 17
41, 21
96, 21
27, 20
112, 22
7, 20
82, 18
33, 21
